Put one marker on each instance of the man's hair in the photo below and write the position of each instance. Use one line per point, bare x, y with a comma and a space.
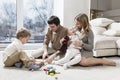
22, 33
54, 20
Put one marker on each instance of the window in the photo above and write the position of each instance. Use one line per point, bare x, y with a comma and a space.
34, 12
7, 20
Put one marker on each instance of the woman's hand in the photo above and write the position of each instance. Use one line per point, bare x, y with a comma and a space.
78, 43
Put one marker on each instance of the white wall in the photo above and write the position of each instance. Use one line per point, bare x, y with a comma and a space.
73, 8
58, 9
66, 10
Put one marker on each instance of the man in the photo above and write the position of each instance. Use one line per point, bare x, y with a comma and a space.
55, 33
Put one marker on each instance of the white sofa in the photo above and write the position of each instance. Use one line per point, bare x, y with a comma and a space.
107, 37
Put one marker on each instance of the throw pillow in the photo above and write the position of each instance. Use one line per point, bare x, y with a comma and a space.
112, 33
114, 26
98, 30
101, 22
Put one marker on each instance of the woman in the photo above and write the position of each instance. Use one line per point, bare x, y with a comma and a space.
87, 43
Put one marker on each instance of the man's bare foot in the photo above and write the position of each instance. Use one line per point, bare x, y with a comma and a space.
108, 62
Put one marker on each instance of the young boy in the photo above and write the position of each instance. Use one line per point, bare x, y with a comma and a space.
14, 54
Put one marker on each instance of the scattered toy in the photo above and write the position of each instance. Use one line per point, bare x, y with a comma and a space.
37, 64
51, 71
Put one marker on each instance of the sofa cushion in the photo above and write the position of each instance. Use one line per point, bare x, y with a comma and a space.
105, 52
118, 43
118, 52
104, 43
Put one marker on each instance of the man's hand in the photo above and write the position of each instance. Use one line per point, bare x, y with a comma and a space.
45, 55
51, 58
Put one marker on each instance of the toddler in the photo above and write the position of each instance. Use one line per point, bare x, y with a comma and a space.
72, 55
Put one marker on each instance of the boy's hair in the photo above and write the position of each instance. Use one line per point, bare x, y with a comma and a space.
22, 33
54, 20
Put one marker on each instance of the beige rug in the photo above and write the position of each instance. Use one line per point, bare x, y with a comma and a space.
74, 73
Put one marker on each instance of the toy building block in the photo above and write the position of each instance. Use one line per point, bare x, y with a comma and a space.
51, 71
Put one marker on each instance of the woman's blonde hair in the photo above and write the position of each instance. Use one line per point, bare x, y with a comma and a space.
22, 33
83, 19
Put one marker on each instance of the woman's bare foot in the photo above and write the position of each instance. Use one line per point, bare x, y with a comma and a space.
108, 62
